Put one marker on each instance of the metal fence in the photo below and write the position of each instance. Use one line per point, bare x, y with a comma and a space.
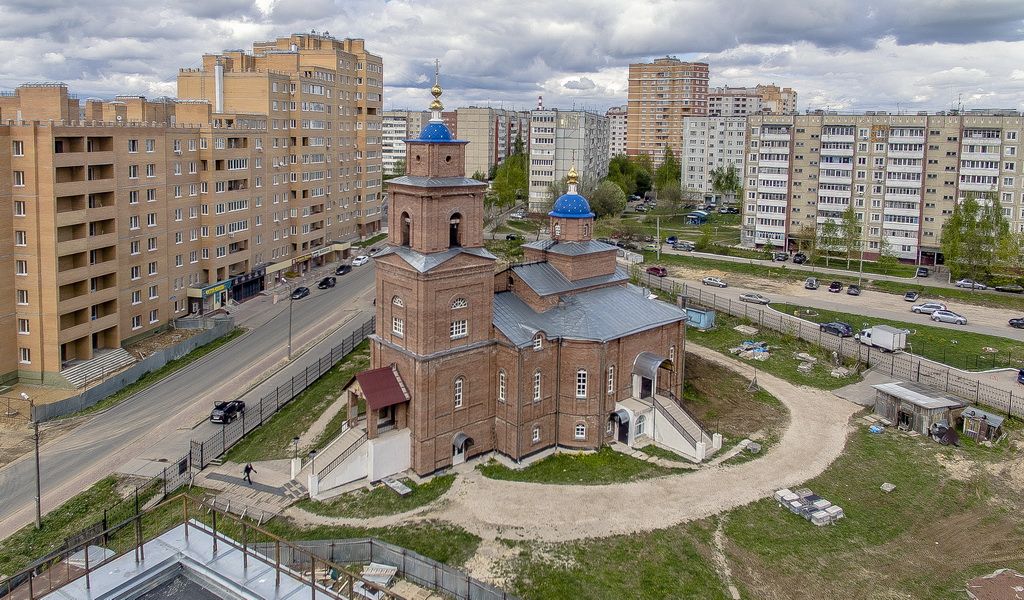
254, 415
420, 570
900, 365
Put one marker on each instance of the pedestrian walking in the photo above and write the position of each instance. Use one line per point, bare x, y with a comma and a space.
248, 471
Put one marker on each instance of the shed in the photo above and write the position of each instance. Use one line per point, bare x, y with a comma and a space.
981, 425
697, 217
915, 407
700, 318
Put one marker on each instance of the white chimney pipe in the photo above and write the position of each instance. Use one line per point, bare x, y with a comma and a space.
218, 82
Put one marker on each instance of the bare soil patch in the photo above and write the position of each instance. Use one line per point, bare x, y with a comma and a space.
166, 339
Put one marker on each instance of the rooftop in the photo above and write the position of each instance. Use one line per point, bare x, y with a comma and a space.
546, 280
570, 248
426, 262
920, 395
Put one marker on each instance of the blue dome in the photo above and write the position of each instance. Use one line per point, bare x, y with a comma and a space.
435, 132
571, 206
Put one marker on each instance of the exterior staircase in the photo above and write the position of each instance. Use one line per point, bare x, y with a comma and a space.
104, 363
334, 456
702, 443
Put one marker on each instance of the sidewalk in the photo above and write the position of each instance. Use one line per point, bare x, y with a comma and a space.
260, 309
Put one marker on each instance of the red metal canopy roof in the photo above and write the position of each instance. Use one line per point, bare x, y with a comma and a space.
382, 387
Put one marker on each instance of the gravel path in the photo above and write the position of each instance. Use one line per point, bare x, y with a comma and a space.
815, 436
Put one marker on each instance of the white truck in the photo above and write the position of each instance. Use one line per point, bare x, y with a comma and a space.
887, 338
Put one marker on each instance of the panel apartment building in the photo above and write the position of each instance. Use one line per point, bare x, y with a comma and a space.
560, 139
128, 214
661, 94
491, 133
711, 143
618, 117
741, 101
397, 126
902, 173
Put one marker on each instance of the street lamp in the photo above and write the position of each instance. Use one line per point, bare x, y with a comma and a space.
295, 449
35, 433
312, 462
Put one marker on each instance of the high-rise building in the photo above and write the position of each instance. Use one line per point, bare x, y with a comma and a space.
396, 127
902, 174
491, 133
128, 214
617, 119
560, 139
741, 101
711, 143
661, 94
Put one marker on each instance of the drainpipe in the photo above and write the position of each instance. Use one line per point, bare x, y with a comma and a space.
218, 83
602, 381
558, 388
519, 407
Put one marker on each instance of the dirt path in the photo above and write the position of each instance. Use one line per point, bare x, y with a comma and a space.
815, 436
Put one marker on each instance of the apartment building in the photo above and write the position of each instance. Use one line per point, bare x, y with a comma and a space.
491, 133
617, 120
711, 143
661, 94
741, 101
560, 139
902, 174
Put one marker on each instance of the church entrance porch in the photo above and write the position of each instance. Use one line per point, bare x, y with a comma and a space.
460, 444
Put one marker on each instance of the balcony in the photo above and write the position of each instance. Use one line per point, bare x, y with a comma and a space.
905, 168
778, 164
903, 227
87, 328
779, 137
846, 179
833, 137
909, 183
837, 151
977, 187
907, 139
87, 299
977, 171
906, 212
980, 156
83, 273
906, 153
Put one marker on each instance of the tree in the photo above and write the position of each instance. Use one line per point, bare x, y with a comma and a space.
726, 181
644, 171
622, 172
397, 171
849, 233
887, 257
479, 175
670, 198
607, 199
973, 235
511, 179
706, 239
828, 238
668, 172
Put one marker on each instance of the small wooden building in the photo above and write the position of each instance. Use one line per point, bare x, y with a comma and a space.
915, 407
981, 425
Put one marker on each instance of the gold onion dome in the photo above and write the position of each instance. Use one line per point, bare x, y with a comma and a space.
572, 178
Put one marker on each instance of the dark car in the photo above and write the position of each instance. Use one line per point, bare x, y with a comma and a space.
226, 412
606, 241
1012, 289
780, 256
911, 296
837, 328
1020, 376
1017, 323
799, 258
300, 292
657, 271
327, 282
342, 269
922, 272
853, 290
835, 287
671, 239
513, 236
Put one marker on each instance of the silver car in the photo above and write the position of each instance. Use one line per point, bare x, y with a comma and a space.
714, 281
970, 283
755, 298
948, 316
928, 307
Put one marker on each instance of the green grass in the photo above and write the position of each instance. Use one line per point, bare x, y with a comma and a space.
506, 250
153, 377
780, 272
596, 468
977, 297
273, 439
897, 270
782, 362
370, 241
659, 452
956, 347
381, 500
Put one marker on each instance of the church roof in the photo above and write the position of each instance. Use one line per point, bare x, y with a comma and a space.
382, 387
570, 248
434, 182
426, 262
545, 279
571, 206
598, 315
435, 131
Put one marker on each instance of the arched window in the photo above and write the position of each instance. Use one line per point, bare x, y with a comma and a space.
641, 422
536, 386
581, 431
581, 383
406, 225
459, 303
538, 341
460, 383
397, 301
611, 379
536, 433
558, 230
455, 231
501, 386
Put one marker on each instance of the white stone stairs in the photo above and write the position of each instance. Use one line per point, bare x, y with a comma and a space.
95, 369
348, 440
683, 422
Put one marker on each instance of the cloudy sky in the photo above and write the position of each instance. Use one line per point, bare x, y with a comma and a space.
846, 55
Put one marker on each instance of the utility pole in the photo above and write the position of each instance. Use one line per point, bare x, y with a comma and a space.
657, 225
35, 435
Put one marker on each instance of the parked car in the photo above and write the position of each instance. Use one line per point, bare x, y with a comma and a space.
928, 307
714, 281
922, 272
885, 337
684, 245
1020, 376
226, 412
651, 247
640, 208
343, 269
780, 256
970, 283
671, 239
513, 236
360, 260
835, 287
627, 245
911, 296
799, 258
608, 241
657, 271
518, 215
811, 283
375, 251
755, 298
326, 282
1017, 323
723, 210
853, 290
948, 316
837, 328
733, 210
1012, 288
300, 292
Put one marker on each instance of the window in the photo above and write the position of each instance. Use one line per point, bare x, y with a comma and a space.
459, 383
397, 301
538, 342
672, 352
152, 268
137, 297
19, 208
133, 197
21, 267
136, 322
133, 171
133, 222
154, 316
536, 434
459, 303
153, 291
135, 272
19, 179
133, 247
611, 379
133, 145
18, 148
151, 220
150, 170
581, 383
501, 386
25, 355
23, 326
151, 244
459, 329
536, 385
641, 421
397, 326
150, 145
22, 297
20, 238
581, 431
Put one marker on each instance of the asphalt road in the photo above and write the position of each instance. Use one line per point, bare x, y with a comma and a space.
141, 433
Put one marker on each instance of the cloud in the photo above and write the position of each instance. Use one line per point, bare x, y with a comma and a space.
583, 83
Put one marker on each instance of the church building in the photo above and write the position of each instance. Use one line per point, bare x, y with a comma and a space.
559, 351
